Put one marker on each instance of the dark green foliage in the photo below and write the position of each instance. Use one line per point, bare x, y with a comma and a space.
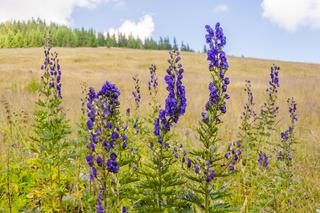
30, 34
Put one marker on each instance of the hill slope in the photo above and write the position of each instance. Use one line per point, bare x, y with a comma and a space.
96, 65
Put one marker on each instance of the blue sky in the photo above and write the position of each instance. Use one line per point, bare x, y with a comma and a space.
273, 29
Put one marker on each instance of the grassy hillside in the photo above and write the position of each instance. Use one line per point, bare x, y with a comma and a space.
96, 65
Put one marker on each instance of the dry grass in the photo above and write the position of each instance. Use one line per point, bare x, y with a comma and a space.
96, 65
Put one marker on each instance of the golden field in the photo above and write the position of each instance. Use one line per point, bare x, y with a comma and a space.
96, 65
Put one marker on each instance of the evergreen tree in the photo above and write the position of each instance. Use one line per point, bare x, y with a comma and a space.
17, 34
175, 45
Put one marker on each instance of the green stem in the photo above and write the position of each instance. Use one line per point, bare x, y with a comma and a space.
206, 204
8, 178
160, 177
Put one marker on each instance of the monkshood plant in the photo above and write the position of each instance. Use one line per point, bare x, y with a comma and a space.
266, 121
247, 138
51, 129
246, 133
136, 92
153, 91
206, 165
159, 188
111, 157
135, 121
258, 150
276, 189
287, 136
153, 82
284, 172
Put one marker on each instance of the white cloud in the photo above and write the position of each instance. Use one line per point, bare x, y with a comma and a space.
141, 29
290, 14
221, 8
58, 11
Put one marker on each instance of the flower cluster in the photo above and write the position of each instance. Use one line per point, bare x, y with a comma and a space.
52, 71
136, 93
263, 160
269, 110
287, 135
274, 75
153, 83
103, 105
204, 167
112, 163
161, 194
249, 112
99, 201
176, 101
201, 168
106, 136
272, 90
216, 40
218, 67
293, 111
233, 155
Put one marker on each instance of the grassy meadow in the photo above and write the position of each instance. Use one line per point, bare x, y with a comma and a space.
20, 72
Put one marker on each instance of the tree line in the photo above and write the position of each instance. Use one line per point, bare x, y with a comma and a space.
24, 34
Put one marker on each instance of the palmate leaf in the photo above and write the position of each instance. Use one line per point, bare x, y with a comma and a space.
128, 178
149, 184
148, 174
222, 192
221, 207
193, 178
193, 198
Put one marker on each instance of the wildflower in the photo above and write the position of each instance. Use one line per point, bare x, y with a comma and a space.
91, 147
128, 112
90, 124
89, 160
124, 210
223, 108
99, 202
218, 62
153, 83
106, 135
287, 137
188, 163
211, 176
207, 162
233, 153
114, 135
176, 101
99, 161
124, 137
136, 93
112, 163
196, 168
108, 125
151, 144
205, 117
263, 160
94, 172
156, 126
274, 75
124, 145
53, 70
